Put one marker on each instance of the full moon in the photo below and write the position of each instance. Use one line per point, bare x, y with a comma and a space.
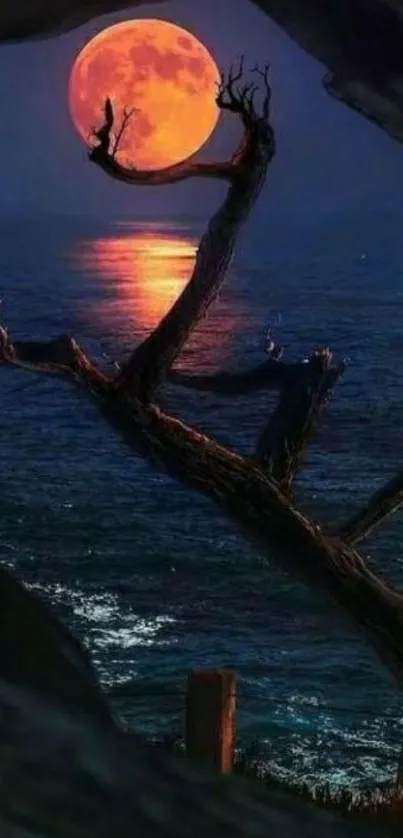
159, 69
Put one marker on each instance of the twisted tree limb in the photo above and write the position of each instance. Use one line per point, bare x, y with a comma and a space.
255, 501
159, 177
246, 171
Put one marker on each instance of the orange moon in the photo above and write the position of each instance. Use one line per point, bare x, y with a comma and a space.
158, 68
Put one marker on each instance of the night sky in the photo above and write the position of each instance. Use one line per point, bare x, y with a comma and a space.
329, 159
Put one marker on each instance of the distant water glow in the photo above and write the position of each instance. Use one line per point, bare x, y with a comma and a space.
149, 270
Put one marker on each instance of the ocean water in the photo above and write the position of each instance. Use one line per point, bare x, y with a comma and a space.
154, 578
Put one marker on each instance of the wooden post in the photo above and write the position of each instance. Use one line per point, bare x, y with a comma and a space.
210, 717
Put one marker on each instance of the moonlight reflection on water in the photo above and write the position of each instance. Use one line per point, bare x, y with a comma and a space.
144, 271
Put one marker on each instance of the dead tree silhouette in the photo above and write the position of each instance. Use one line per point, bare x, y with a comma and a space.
254, 491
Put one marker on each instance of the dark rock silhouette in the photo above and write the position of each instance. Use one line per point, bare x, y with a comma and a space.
38, 654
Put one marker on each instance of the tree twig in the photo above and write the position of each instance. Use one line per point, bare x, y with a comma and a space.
387, 500
127, 115
267, 87
249, 497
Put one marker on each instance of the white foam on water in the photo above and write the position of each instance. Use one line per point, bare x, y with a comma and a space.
316, 743
105, 621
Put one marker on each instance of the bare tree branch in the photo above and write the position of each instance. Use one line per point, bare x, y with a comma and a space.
267, 99
127, 115
151, 362
227, 98
161, 177
103, 157
281, 446
62, 357
251, 499
269, 375
387, 500
240, 99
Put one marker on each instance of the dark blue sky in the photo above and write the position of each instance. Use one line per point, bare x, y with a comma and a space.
329, 159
